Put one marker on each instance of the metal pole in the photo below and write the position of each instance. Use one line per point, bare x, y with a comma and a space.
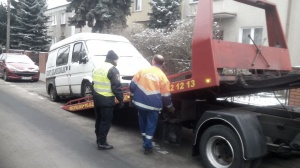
8, 27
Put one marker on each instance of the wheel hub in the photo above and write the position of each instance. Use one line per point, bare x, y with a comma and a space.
219, 152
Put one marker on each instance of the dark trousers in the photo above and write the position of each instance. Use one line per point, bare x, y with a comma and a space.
148, 120
104, 116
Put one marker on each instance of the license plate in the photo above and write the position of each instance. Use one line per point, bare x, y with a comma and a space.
26, 78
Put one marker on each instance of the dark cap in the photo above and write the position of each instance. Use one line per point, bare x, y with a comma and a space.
111, 55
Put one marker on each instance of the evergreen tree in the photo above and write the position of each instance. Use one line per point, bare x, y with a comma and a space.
3, 21
164, 13
101, 15
30, 30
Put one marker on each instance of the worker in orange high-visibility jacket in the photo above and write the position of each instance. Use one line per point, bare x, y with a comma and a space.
150, 90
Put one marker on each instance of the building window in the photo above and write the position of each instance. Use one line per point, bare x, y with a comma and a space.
63, 18
138, 5
256, 34
54, 20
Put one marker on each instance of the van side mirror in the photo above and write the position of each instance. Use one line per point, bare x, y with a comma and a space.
83, 58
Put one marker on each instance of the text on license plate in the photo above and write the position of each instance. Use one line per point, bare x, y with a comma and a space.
26, 78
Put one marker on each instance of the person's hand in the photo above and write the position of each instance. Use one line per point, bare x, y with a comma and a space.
121, 105
171, 109
130, 102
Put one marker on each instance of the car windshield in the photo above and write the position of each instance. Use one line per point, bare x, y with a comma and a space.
19, 59
122, 49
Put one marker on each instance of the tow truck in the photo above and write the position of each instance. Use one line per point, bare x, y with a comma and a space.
229, 134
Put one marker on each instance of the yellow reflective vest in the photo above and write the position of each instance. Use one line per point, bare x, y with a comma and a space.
102, 84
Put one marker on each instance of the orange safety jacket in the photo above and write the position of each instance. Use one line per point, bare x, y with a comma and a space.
150, 89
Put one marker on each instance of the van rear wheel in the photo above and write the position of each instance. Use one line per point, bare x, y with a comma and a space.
53, 95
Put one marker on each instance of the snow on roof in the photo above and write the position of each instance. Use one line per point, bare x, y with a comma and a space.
88, 36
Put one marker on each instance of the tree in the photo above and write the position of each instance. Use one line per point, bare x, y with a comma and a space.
3, 21
30, 30
101, 15
164, 13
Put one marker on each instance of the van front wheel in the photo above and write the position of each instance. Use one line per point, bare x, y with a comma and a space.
53, 95
86, 89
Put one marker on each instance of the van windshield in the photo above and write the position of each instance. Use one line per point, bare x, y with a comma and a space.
101, 47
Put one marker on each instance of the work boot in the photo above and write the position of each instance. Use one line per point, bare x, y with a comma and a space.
148, 151
104, 146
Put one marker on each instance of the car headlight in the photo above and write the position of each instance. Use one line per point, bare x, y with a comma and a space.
11, 68
36, 69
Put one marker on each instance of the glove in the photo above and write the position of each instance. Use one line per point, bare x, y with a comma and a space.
121, 105
130, 102
171, 109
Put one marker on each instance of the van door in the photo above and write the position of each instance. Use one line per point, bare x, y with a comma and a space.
78, 69
62, 71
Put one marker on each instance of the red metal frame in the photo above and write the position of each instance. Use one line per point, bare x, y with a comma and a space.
86, 103
208, 54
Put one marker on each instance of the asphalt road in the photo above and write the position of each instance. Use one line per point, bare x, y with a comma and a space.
35, 132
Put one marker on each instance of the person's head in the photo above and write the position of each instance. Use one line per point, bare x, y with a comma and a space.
112, 57
158, 60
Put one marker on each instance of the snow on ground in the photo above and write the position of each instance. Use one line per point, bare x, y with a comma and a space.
260, 99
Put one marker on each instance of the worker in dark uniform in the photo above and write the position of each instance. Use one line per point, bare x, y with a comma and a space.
150, 90
106, 86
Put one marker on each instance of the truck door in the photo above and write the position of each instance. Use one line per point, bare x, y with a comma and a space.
62, 71
78, 70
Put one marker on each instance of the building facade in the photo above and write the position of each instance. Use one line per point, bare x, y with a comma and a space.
58, 26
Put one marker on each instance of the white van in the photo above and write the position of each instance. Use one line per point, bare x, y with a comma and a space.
71, 62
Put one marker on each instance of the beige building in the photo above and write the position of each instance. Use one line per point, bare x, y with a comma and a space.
58, 27
237, 20
139, 13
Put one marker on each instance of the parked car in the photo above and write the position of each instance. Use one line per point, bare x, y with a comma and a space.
14, 66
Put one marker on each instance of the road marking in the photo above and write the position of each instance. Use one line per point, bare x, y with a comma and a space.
31, 93
12, 85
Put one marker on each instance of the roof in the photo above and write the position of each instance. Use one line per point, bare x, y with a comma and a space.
88, 36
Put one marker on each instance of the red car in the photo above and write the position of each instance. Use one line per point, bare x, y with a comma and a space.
20, 67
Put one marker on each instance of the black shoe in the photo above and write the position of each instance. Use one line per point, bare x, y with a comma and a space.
104, 146
148, 151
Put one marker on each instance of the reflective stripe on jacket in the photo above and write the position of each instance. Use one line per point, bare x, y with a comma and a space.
150, 89
102, 84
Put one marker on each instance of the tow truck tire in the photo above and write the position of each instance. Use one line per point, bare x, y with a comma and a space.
86, 89
220, 147
53, 95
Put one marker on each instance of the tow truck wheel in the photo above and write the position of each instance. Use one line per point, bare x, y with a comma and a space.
86, 89
220, 147
53, 95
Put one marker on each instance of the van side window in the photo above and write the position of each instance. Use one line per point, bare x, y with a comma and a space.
78, 47
62, 56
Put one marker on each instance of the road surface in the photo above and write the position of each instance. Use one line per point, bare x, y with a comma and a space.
35, 132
